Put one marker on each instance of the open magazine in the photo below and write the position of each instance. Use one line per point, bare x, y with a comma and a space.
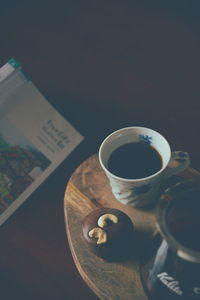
34, 138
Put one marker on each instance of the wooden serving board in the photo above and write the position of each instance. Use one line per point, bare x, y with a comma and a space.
87, 190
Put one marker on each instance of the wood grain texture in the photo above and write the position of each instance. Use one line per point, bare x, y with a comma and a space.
87, 190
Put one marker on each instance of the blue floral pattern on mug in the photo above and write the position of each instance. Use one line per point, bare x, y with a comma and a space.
145, 139
142, 189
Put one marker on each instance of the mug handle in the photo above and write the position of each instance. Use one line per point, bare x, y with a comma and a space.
179, 161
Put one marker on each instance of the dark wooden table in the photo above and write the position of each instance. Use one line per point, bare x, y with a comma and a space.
104, 65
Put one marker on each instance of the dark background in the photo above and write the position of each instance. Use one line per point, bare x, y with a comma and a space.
104, 65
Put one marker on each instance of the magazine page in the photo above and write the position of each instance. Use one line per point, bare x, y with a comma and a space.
34, 138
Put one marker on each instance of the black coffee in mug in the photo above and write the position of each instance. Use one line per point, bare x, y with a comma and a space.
134, 160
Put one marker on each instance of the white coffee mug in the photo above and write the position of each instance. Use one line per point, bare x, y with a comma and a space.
141, 191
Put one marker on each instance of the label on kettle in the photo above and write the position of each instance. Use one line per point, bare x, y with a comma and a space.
174, 285
170, 282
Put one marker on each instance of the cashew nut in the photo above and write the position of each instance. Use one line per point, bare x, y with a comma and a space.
104, 219
98, 233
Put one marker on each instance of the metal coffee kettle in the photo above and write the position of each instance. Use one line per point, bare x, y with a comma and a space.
175, 273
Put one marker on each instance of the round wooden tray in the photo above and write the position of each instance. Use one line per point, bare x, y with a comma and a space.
87, 190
